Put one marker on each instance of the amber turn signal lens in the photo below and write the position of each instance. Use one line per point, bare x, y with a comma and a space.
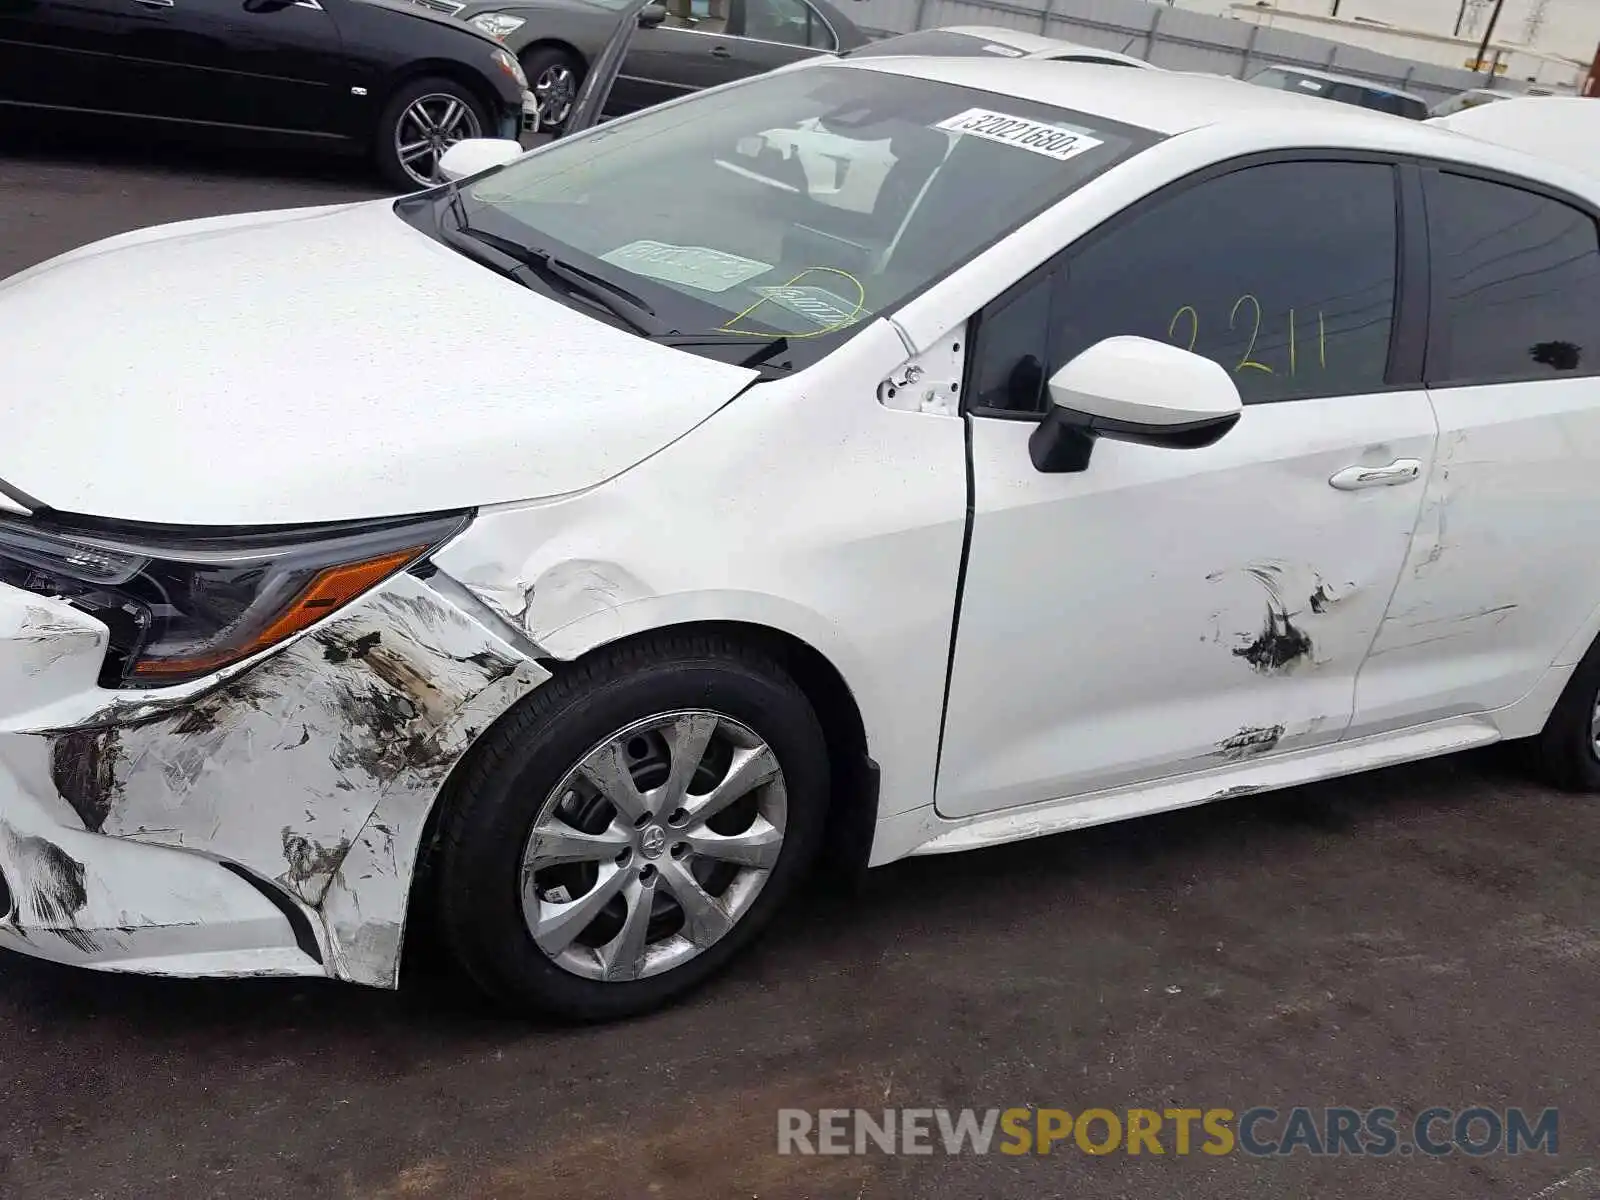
329, 589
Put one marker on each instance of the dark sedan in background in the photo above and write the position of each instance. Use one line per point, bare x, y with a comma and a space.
681, 46
382, 77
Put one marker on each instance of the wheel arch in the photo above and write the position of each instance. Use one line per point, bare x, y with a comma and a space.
441, 68
551, 42
853, 807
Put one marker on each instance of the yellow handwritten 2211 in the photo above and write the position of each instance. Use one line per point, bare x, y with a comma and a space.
1253, 318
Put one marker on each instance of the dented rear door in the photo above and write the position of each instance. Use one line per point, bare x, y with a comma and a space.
1503, 572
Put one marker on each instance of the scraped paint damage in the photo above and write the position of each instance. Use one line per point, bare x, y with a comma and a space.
54, 893
1279, 643
1249, 742
315, 768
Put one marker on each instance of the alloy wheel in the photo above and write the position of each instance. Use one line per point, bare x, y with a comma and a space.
555, 90
428, 127
653, 846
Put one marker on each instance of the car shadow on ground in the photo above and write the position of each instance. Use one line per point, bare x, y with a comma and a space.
66, 144
159, 151
1410, 925
925, 899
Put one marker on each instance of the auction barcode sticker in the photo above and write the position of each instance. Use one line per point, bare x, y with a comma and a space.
1052, 141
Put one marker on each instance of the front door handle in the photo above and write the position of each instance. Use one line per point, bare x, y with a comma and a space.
1401, 470
721, 52
155, 3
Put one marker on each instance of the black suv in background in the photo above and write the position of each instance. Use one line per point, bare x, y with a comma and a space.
380, 77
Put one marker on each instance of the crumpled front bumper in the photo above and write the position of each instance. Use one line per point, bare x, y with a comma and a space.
263, 822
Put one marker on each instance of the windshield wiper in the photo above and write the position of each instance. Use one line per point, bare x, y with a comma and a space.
495, 260
575, 281
519, 262
760, 352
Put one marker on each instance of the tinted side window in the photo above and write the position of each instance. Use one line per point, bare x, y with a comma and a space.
791, 22
1516, 280
1284, 274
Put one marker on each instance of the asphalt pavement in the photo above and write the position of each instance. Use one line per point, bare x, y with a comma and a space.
1424, 937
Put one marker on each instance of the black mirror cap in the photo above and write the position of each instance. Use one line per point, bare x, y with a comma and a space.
1064, 440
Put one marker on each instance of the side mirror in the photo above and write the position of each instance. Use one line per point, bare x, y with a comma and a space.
1132, 389
652, 15
471, 155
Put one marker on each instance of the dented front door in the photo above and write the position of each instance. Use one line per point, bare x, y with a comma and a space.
1175, 611
1169, 611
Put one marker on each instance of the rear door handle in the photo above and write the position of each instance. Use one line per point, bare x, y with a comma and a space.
721, 52
1401, 470
155, 3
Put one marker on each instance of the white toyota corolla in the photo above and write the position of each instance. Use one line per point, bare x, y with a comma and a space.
583, 549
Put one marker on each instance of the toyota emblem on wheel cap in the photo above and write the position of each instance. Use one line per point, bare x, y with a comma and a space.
653, 841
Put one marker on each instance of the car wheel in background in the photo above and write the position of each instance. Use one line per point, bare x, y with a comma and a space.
553, 77
1567, 752
617, 838
422, 120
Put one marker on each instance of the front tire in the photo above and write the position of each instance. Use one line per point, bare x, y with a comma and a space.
1567, 751
620, 836
422, 120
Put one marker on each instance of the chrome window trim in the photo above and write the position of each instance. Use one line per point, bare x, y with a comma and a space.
740, 37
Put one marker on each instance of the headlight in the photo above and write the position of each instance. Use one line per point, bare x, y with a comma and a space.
181, 608
497, 25
511, 66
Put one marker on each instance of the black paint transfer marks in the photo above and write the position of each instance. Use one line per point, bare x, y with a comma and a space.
337, 649
1249, 742
1322, 600
56, 892
310, 861
1279, 645
495, 667
375, 729
84, 761
83, 765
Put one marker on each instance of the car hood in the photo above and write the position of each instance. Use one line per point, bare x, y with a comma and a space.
474, 7
410, 8
318, 364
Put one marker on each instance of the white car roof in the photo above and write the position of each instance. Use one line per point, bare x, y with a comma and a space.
1168, 102
1563, 129
1035, 46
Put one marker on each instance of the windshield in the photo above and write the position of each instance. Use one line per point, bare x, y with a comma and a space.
799, 204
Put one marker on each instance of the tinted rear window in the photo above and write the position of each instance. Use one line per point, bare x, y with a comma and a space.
1516, 283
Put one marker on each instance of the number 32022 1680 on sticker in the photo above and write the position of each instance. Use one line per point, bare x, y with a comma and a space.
1037, 137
